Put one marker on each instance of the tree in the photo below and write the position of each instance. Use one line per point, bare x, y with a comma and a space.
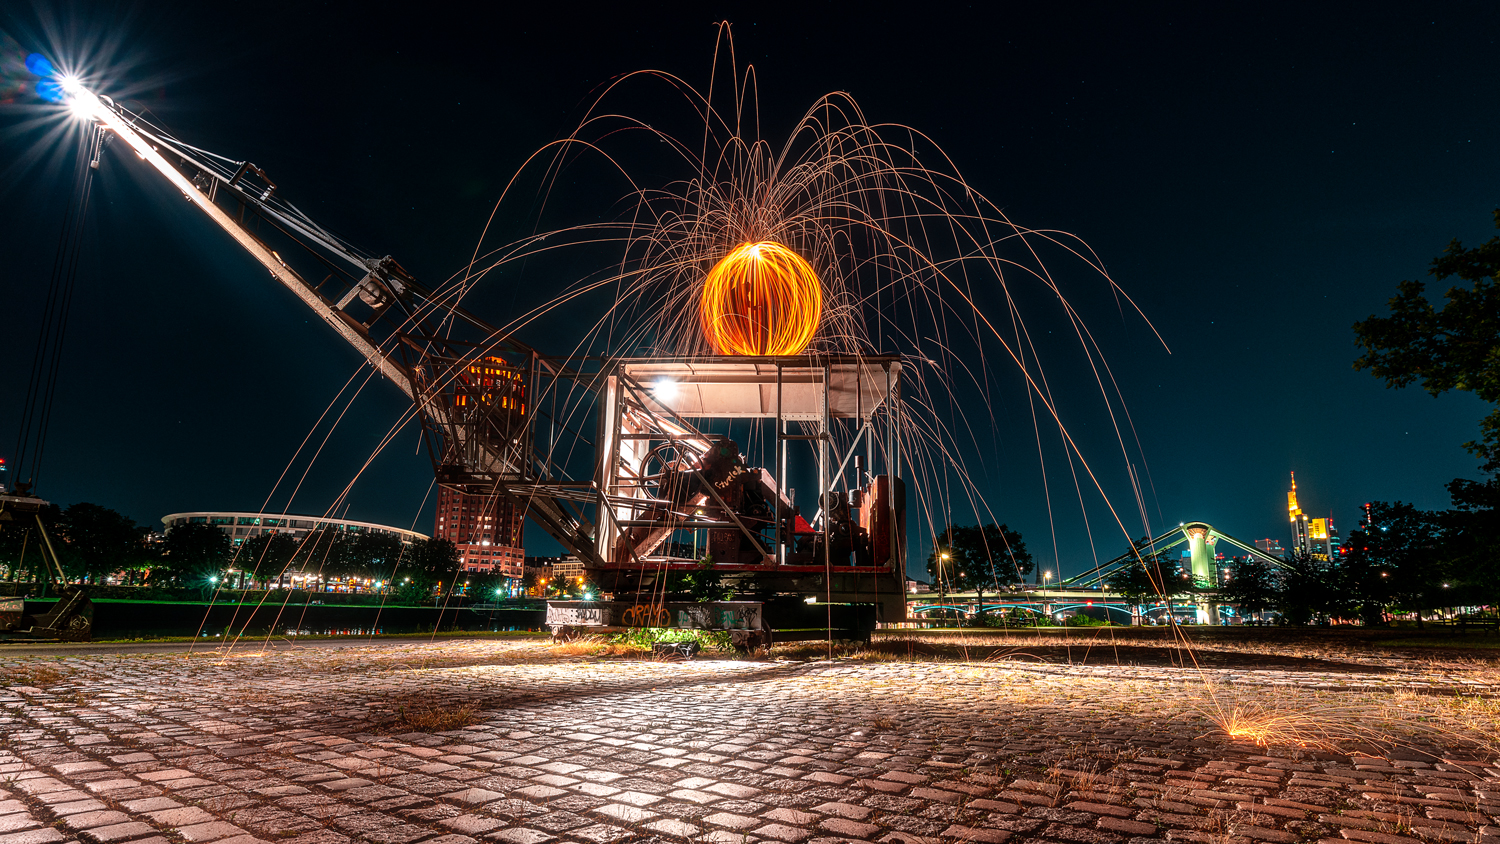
266, 556
192, 553
1391, 560
98, 541
486, 587
1469, 550
427, 564
1150, 574
377, 555
974, 557
1307, 588
1455, 348
1252, 585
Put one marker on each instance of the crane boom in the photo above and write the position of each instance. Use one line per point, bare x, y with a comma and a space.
474, 418
118, 121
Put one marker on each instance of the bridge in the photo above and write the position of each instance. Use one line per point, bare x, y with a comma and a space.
1053, 604
1091, 589
1201, 538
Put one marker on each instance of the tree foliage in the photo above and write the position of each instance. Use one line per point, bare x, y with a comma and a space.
1153, 574
1470, 542
1252, 585
265, 557
982, 559
97, 541
1456, 347
1306, 589
192, 553
425, 565
1392, 563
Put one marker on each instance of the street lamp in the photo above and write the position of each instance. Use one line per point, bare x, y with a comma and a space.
943, 557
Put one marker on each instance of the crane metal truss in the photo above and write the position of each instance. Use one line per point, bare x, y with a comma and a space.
659, 475
498, 418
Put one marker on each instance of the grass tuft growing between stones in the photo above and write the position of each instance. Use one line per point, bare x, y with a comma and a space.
33, 673
425, 715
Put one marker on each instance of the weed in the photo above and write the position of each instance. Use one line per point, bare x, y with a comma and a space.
36, 674
417, 715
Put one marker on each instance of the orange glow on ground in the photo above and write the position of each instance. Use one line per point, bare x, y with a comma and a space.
761, 299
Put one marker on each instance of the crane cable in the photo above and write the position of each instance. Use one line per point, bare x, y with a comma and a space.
46, 364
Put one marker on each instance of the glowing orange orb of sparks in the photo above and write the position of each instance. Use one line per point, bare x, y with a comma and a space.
761, 299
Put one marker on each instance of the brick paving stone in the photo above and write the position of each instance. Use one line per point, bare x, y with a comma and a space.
185, 816
520, 835
844, 810
995, 806
243, 839
1376, 837
783, 832
67, 768
211, 831
791, 816
725, 819
344, 784
1127, 827
34, 836
89, 820
169, 774
118, 832
690, 796
969, 833
473, 796
846, 827
1261, 833
791, 756
601, 833
673, 828
20, 820
729, 789
822, 776
471, 824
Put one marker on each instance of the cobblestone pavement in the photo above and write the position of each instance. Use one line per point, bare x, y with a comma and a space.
318, 747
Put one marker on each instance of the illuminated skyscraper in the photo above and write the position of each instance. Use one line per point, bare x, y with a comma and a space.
1299, 520
1323, 539
1317, 538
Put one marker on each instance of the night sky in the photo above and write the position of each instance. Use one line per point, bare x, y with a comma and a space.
1258, 178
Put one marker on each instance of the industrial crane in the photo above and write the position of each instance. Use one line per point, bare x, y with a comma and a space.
472, 393
488, 407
